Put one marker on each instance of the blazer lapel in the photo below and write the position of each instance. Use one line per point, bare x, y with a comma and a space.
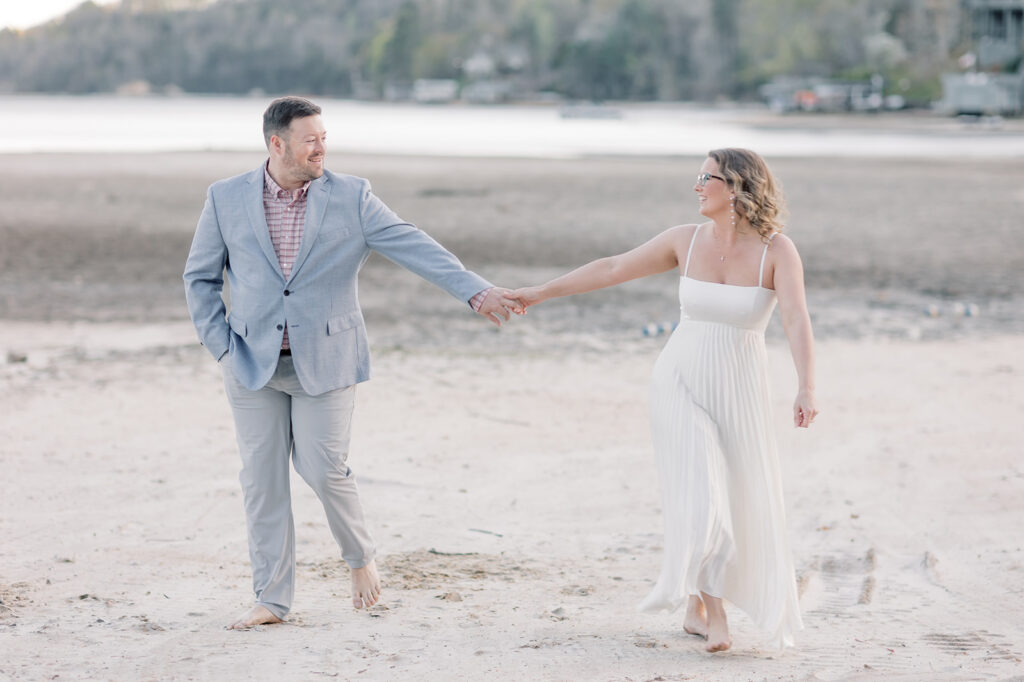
258, 218
316, 208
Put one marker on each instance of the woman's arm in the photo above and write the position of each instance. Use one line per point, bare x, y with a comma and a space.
657, 255
789, 286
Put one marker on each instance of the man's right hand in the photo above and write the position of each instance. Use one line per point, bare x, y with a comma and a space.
498, 305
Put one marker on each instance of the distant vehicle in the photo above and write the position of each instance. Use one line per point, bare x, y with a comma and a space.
982, 94
824, 95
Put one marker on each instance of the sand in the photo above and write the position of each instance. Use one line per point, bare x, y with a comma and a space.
508, 475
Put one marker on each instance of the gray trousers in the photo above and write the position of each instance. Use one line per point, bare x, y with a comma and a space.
281, 422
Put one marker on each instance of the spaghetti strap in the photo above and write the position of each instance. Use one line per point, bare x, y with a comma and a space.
686, 268
760, 274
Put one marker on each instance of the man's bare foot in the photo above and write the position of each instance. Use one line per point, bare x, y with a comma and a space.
257, 615
365, 585
718, 626
696, 621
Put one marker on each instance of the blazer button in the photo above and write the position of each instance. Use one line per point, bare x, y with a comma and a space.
287, 293
280, 327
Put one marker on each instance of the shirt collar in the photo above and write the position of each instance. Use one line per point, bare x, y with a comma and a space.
276, 189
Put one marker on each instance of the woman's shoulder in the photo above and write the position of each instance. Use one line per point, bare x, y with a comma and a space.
780, 242
685, 231
782, 249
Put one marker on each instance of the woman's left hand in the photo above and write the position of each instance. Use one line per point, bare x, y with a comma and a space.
805, 409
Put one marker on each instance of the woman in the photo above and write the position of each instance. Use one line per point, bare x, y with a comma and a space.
725, 535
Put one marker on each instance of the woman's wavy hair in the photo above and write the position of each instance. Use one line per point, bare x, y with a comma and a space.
758, 194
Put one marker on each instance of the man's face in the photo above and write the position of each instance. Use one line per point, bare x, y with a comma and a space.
302, 149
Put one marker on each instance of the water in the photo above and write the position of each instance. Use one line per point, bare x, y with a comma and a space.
31, 124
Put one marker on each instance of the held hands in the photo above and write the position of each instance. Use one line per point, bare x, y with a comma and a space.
805, 409
500, 302
498, 305
526, 296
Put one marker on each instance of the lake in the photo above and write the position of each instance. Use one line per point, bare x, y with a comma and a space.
32, 124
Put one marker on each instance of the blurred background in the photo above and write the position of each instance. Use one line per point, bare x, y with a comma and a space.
527, 135
963, 56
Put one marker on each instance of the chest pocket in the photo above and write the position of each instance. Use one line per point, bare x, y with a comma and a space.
331, 236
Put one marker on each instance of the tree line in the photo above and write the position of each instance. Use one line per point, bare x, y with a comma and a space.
587, 49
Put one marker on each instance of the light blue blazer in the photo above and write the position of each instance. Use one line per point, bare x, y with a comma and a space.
326, 332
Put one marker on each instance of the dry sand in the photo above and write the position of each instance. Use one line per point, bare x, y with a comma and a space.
508, 475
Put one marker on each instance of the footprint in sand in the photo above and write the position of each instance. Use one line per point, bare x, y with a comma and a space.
979, 644
835, 583
12, 597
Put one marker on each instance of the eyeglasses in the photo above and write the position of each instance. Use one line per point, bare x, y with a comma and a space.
703, 178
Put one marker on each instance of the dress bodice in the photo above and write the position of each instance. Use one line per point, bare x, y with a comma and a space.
739, 306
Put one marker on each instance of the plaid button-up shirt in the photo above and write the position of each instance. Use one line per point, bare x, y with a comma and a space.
286, 218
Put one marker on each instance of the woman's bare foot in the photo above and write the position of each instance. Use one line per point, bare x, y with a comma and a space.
257, 615
696, 621
718, 626
718, 638
365, 585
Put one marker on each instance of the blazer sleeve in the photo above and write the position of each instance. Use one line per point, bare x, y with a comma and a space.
413, 249
204, 281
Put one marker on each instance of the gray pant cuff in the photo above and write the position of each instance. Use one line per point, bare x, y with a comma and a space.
276, 609
362, 561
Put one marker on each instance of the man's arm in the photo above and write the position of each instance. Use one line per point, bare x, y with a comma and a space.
204, 281
410, 247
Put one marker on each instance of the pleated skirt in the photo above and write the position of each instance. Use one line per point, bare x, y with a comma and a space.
719, 477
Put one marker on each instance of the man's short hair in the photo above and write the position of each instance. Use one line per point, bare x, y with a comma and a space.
278, 116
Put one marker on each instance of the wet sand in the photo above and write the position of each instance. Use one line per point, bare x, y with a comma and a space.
882, 240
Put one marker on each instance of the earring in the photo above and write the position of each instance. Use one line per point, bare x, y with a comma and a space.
732, 209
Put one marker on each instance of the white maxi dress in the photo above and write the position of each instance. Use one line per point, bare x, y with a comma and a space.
717, 460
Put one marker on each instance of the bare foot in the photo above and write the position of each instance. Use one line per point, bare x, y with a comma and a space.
718, 639
696, 621
718, 626
365, 585
257, 615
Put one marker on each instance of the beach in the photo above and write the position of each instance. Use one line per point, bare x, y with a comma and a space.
507, 474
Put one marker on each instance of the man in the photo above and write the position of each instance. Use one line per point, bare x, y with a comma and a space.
291, 237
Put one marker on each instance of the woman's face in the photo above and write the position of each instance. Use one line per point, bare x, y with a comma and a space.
712, 190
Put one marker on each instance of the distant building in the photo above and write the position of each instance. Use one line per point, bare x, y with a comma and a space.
994, 81
487, 91
479, 65
996, 31
435, 90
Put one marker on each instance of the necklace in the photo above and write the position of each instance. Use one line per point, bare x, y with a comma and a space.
714, 236
720, 243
